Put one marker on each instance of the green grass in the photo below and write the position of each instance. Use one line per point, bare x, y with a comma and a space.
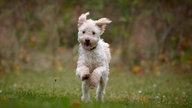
63, 89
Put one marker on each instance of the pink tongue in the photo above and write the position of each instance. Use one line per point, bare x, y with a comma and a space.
87, 46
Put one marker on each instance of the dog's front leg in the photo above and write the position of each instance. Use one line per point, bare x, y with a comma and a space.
83, 72
102, 83
85, 92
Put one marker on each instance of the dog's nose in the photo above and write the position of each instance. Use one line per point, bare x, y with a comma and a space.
87, 40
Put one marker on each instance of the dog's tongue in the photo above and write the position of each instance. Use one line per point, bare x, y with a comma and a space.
87, 46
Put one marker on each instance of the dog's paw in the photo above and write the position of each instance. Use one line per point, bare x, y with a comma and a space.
85, 77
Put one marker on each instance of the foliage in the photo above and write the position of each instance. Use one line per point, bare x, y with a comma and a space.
150, 31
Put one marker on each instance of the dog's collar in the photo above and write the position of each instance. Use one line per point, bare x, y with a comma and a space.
93, 48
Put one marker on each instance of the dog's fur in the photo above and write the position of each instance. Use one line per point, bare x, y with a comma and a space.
94, 55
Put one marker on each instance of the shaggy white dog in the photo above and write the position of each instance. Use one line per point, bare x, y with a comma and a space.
94, 56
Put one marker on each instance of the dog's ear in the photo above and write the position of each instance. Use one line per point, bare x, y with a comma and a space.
102, 23
82, 18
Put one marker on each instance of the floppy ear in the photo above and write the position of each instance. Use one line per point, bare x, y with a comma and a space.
82, 18
102, 23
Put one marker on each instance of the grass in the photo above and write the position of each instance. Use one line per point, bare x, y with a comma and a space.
63, 89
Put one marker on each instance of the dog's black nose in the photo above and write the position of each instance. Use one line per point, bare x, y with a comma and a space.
87, 40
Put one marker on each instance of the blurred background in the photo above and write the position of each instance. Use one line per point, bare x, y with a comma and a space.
145, 36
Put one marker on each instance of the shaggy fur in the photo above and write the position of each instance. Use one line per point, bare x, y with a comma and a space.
94, 56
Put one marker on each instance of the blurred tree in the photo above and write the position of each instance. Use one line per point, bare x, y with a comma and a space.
143, 32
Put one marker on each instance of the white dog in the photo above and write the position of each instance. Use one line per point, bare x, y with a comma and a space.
94, 56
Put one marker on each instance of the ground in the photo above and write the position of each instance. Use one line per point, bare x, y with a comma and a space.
63, 89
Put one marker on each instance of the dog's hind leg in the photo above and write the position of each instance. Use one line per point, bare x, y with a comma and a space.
100, 92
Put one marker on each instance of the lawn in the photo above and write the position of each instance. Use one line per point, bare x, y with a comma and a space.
63, 89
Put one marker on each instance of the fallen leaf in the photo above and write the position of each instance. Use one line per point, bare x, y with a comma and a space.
75, 103
143, 99
137, 69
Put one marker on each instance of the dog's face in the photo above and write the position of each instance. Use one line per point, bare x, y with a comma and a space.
89, 31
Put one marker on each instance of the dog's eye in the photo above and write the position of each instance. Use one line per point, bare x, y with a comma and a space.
83, 32
93, 33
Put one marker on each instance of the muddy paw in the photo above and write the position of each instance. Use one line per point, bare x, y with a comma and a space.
85, 77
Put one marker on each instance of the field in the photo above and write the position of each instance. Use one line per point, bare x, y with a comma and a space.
63, 89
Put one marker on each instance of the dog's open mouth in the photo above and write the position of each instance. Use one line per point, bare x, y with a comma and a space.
87, 45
